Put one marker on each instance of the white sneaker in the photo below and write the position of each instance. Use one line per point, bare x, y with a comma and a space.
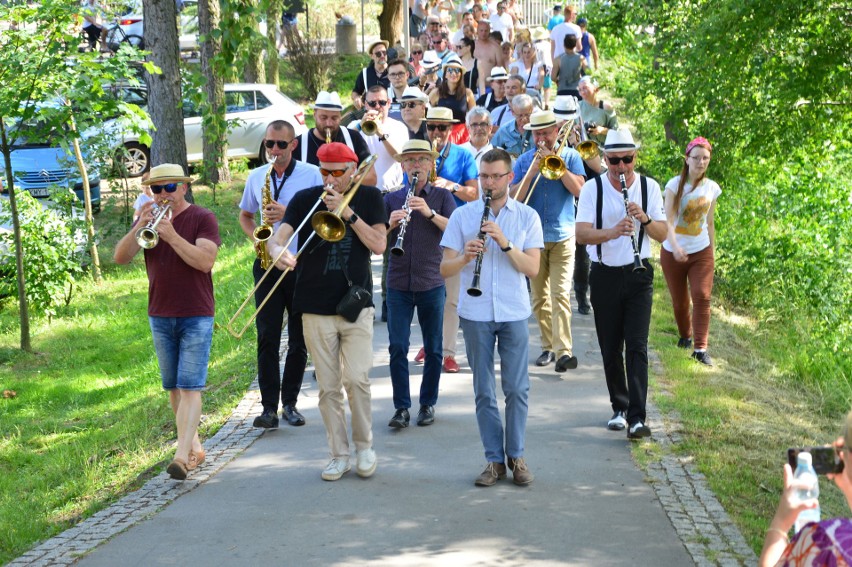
336, 468
638, 430
617, 422
366, 463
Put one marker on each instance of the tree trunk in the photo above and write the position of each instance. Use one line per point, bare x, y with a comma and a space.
215, 168
165, 104
26, 345
273, 20
390, 21
254, 71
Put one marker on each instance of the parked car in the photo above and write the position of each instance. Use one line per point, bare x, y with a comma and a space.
249, 107
131, 20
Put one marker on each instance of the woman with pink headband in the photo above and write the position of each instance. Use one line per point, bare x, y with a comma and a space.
689, 261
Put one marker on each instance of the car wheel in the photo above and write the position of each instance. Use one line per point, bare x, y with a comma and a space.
136, 41
136, 159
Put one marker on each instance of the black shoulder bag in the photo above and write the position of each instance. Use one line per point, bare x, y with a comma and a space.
355, 298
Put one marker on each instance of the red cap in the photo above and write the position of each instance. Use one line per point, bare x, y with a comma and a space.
336, 152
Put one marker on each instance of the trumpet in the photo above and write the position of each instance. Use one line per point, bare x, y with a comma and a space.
147, 237
328, 135
263, 232
587, 148
369, 127
397, 249
638, 266
327, 225
474, 290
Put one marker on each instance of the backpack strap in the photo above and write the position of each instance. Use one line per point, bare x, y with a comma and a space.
303, 143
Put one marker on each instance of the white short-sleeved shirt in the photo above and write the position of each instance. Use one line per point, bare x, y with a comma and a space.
303, 176
691, 224
558, 36
388, 170
501, 24
619, 251
504, 289
141, 200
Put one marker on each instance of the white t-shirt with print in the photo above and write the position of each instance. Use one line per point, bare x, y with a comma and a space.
691, 224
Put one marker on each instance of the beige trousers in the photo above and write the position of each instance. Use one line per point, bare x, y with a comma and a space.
551, 290
342, 353
451, 315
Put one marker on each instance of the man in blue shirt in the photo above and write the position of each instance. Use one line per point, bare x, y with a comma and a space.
554, 202
556, 19
512, 136
508, 236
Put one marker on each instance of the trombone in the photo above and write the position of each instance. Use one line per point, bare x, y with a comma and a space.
328, 225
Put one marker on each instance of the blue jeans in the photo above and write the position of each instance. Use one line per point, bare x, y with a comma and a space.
430, 313
183, 350
512, 340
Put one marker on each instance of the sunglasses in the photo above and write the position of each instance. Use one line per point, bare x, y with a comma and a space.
617, 160
452, 71
417, 53
440, 127
169, 187
282, 144
333, 172
375, 103
458, 47
409, 104
437, 41
380, 54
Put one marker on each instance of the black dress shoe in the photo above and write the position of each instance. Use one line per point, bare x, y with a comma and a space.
426, 415
267, 420
566, 362
545, 358
400, 419
584, 309
292, 415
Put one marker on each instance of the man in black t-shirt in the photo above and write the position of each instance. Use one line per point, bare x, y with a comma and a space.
376, 73
327, 114
497, 95
324, 274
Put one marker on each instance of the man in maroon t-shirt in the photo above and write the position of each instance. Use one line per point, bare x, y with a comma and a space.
180, 249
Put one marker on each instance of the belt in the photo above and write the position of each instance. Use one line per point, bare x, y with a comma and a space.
624, 268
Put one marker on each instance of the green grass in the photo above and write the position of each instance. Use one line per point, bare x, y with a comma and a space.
738, 418
90, 421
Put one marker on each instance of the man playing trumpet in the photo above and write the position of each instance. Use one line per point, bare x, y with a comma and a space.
281, 178
553, 199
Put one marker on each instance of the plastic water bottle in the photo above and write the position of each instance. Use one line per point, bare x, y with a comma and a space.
805, 472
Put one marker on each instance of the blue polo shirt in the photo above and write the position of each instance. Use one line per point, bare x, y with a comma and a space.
458, 166
514, 142
551, 200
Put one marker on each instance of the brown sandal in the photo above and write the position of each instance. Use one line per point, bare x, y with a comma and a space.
196, 459
177, 469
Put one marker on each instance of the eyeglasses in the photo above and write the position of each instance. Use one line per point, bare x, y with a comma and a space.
452, 71
494, 177
169, 187
617, 160
417, 53
437, 41
282, 144
479, 125
410, 104
458, 47
380, 54
375, 103
418, 160
440, 127
333, 172
396, 75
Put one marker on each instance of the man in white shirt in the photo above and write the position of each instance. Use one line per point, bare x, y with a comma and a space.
478, 122
557, 35
502, 22
385, 139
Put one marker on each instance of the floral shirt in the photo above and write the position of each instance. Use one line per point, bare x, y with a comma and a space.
826, 543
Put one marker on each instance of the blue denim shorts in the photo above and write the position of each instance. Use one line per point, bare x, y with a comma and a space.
183, 350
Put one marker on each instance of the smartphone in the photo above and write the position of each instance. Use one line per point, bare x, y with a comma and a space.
825, 459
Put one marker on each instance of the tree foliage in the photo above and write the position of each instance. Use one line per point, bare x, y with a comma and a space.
770, 85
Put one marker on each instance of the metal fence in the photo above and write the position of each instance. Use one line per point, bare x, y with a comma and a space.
538, 12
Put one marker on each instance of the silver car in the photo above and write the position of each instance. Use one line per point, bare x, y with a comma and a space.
250, 107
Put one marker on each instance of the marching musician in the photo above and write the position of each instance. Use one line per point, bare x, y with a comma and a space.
456, 171
327, 115
388, 137
180, 300
414, 279
554, 202
281, 178
510, 252
621, 290
342, 351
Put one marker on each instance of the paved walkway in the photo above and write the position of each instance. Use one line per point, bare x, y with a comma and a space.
259, 498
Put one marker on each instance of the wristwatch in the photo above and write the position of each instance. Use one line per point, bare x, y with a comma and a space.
383, 137
455, 188
650, 220
508, 247
434, 214
353, 219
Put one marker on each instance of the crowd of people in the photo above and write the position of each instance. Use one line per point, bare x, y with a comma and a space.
488, 203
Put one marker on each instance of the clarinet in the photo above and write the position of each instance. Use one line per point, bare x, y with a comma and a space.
474, 289
638, 266
397, 249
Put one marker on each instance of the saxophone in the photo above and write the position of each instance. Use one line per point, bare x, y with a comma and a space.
328, 135
433, 173
264, 231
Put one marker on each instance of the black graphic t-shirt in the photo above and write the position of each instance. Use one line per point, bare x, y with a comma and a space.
320, 282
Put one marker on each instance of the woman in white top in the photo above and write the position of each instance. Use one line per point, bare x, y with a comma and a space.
529, 67
690, 204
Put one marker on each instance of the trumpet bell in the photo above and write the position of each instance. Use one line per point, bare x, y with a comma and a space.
552, 167
328, 226
147, 238
369, 127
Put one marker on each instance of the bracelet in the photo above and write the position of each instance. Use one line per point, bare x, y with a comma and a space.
779, 531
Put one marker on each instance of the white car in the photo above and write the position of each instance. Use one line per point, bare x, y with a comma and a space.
250, 107
132, 21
